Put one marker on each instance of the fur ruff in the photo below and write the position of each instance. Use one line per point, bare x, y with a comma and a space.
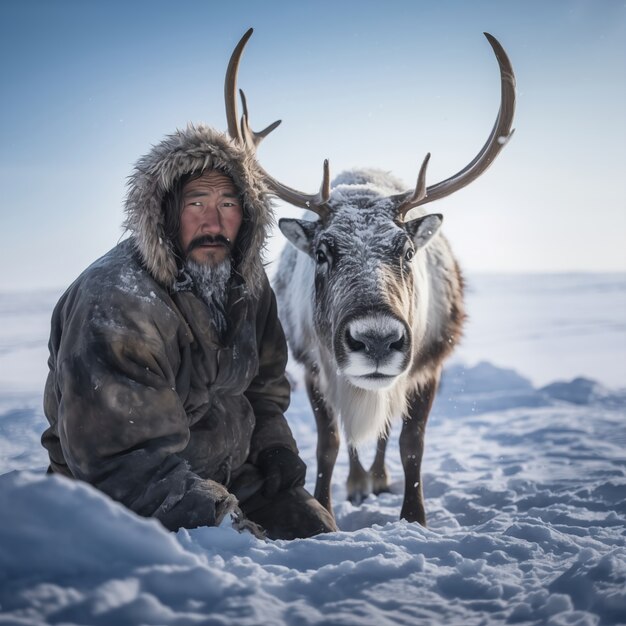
194, 149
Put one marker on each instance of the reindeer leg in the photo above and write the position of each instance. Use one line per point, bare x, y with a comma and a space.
412, 451
378, 471
359, 484
327, 440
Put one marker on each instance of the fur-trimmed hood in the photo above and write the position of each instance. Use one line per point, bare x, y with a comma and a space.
190, 150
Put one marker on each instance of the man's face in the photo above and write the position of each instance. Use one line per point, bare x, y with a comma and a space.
210, 218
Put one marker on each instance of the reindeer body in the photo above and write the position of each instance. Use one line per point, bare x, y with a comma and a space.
368, 288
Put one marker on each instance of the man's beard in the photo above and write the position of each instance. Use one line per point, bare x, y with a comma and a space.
211, 284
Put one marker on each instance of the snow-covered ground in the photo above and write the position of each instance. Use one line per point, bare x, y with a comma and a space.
524, 476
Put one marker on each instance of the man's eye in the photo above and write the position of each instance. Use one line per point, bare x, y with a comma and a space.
196, 203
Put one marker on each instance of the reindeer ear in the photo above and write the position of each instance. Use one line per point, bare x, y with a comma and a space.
299, 233
423, 229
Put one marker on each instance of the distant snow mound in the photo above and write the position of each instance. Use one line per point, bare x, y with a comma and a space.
484, 388
578, 391
485, 377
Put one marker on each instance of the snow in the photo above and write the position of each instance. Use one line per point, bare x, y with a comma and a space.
524, 478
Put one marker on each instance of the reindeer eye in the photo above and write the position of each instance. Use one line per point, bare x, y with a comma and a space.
320, 257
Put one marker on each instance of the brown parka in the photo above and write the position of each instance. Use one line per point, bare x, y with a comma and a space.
143, 399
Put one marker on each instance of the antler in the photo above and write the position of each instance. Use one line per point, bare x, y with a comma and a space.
498, 138
242, 133
420, 192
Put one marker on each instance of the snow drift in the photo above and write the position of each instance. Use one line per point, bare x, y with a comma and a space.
525, 485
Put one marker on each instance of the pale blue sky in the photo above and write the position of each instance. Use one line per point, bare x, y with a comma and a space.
88, 86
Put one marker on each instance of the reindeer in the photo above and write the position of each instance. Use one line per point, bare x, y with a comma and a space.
371, 299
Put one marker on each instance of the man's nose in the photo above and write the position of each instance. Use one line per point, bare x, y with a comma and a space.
211, 220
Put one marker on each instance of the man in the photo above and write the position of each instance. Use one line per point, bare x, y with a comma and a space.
167, 386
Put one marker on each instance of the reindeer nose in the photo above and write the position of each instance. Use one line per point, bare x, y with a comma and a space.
376, 344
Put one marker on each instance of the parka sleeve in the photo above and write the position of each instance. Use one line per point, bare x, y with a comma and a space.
269, 392
120, 422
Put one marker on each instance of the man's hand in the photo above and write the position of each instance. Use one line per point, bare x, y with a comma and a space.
241, 524
282, 469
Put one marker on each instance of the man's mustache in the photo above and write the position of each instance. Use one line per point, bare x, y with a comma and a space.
206, 240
